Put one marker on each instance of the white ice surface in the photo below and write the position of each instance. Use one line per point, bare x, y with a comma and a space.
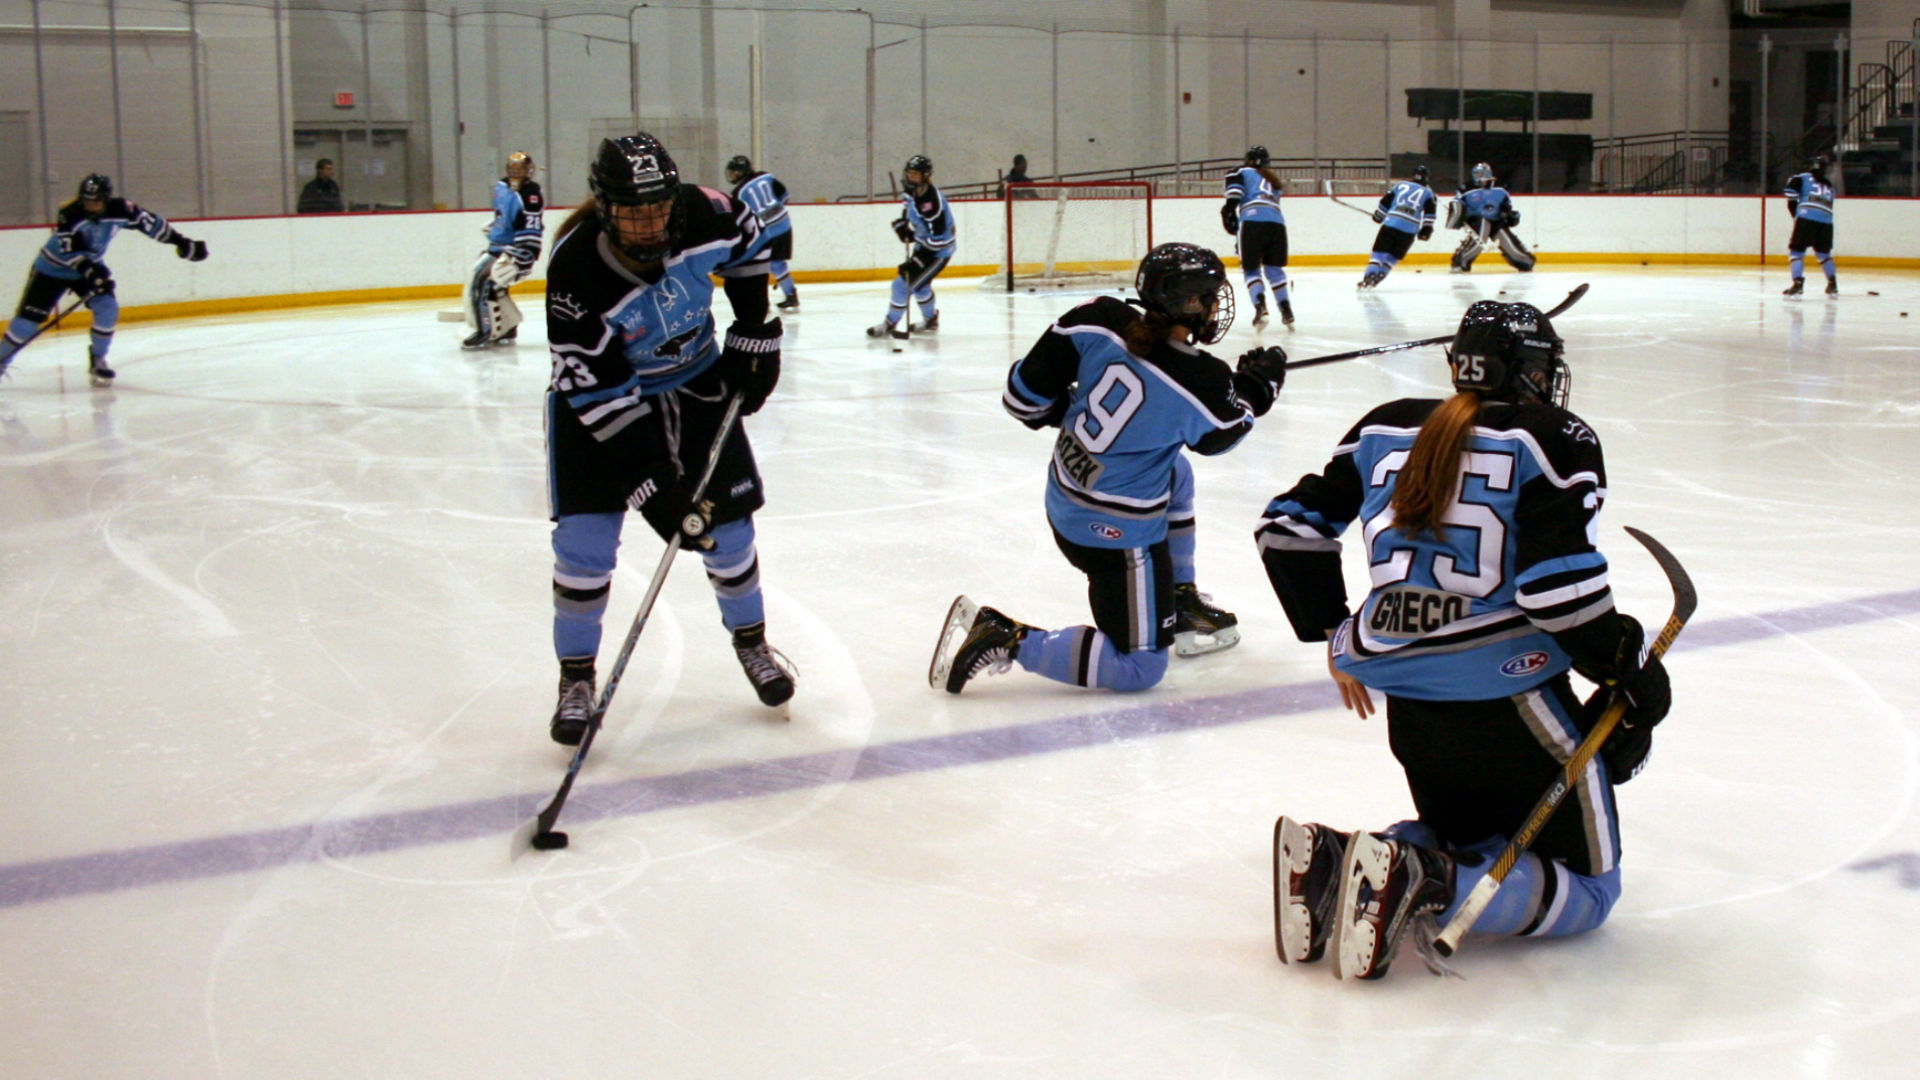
293, 572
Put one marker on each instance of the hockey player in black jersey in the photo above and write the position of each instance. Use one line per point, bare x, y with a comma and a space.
513, 246
1479, 513
1129, 392
641, 380
74, 260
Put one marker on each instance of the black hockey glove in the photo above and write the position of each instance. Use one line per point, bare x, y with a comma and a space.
190, 250
1426, 232
750, 362
1259, 376
903, 230
1649, 695
1230, 217
1379, 216
667, 503
96, 279
1509, 219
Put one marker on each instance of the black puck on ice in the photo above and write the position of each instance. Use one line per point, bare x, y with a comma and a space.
549, 841
1870, 292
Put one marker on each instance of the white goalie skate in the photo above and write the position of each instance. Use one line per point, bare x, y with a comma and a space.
952, 635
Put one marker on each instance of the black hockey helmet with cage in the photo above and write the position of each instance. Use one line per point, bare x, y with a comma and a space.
919, 163
1819, 165
1510, 352
96, 186
1420, 174
1258, 157
739, 165
1187, 284
635, 170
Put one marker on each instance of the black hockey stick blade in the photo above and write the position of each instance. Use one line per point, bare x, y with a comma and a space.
1470, 910
1572, 299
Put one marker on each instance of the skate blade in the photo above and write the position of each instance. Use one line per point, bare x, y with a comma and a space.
99, 383
1195, 643
952, 635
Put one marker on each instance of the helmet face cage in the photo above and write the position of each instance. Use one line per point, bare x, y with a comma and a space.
919, 163
1257, 156
1483, 175
635, 170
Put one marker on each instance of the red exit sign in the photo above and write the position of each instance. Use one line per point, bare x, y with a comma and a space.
343, 99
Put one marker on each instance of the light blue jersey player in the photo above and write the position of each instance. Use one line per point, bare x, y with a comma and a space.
926, 222
74, 260
1486, 212
1130, 394
1252, 212
766, 196
1810, 201
513, 246
1478, 519
1405, 211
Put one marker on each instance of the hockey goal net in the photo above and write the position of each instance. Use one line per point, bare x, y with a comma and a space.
1073, 235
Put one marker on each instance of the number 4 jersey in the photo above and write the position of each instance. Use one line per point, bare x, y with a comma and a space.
1123, 419
1470, 614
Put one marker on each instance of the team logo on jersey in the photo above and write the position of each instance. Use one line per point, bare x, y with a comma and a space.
1105, 531
1580, 432
1525, 664
565, 306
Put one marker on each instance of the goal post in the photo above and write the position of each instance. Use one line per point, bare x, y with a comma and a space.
1064, 234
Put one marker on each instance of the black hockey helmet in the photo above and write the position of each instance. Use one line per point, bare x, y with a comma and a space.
1509, 352
1482, 175
1187, 284
737, 166
1258, 157
635, 170
1420, 174
1819, 165
96, 186
919, 163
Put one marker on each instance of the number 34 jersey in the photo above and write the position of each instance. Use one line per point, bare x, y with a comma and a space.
1468, 614
1123, 419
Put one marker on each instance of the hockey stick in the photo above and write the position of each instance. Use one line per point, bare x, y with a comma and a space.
1342, 202
1572, 299
1684, 601
544, 836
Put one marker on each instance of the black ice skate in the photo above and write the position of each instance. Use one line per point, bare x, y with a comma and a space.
975, 640
1200, 628
928, 327
1370, 280
476, 340
1286, 313
1306, 881
790, 304
1387, 887
886, 329
1833, 286
575, 712
767, 668
508, 338
1259, 314
1795, 289
98, 372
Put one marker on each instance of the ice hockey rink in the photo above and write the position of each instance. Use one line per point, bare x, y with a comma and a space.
275, 621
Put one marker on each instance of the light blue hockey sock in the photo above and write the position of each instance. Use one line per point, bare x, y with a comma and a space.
1797, 264
1826, 264
1538, 898
782, 278
1083, 656
733, 569
1282, 286
15, 339
584, 547
897, 302
1256, 288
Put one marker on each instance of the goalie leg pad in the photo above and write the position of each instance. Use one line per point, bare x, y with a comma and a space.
1515, 252
505, 314
474, 297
